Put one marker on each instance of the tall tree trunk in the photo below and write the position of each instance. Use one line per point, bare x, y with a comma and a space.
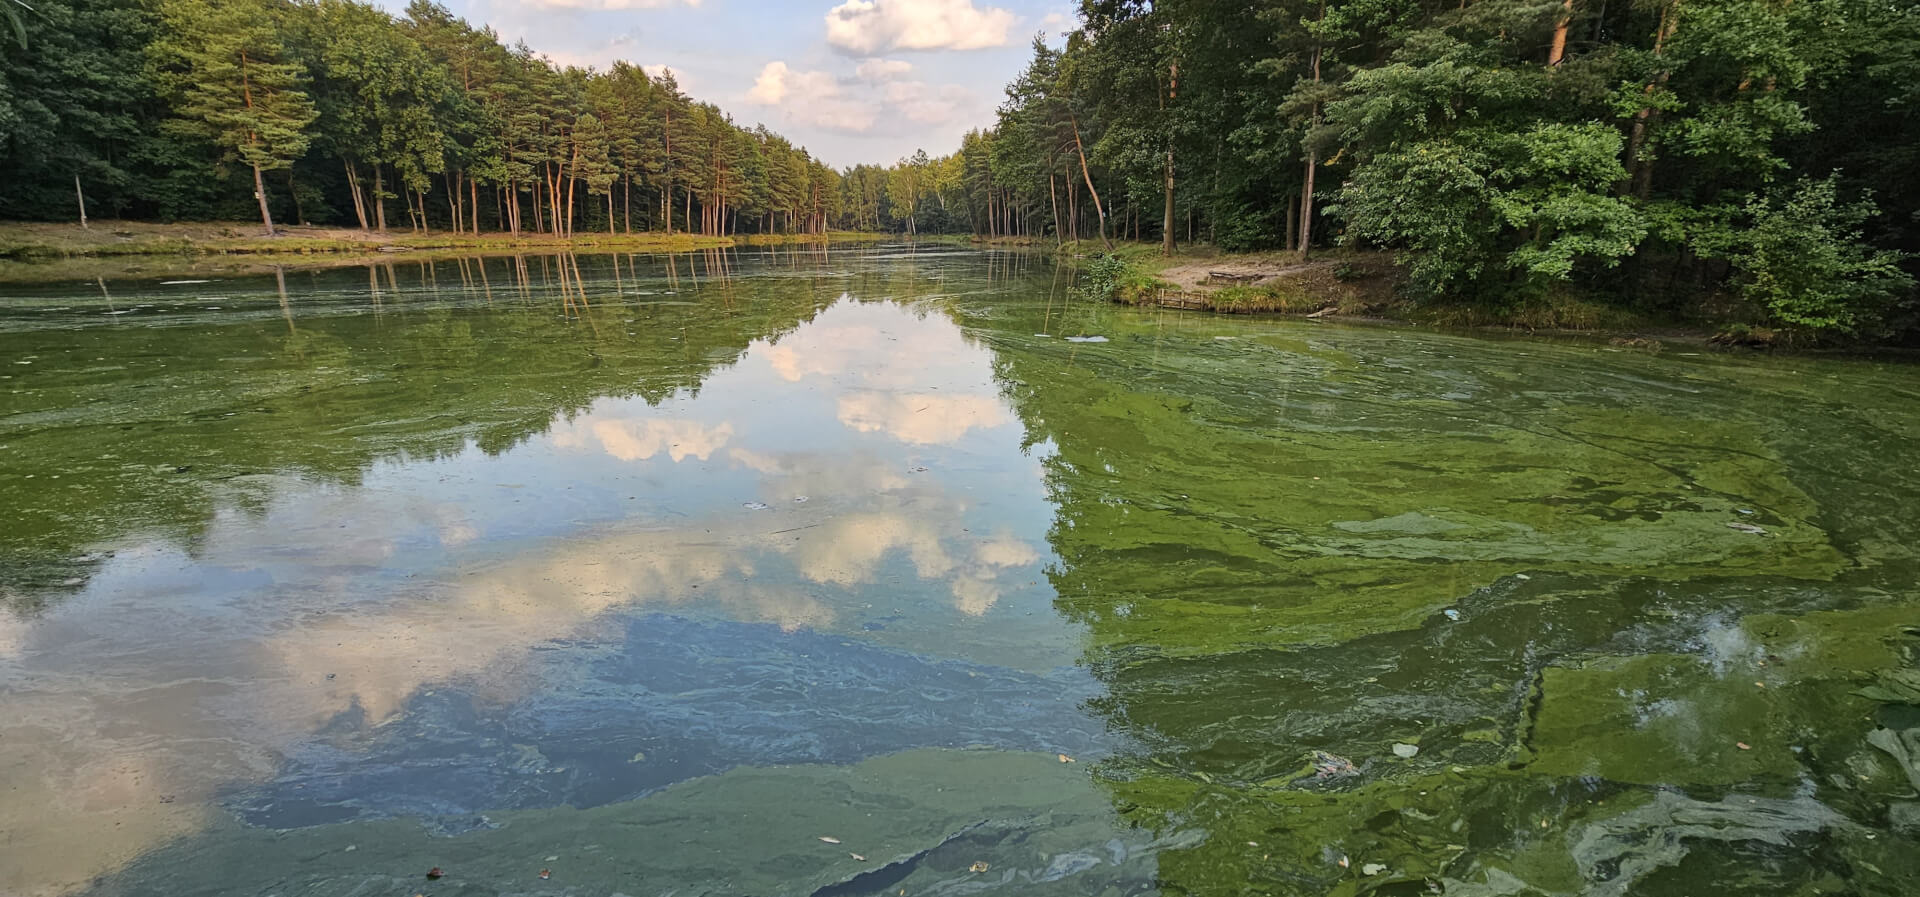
1313, 161
293, 190
379, 199
610, 230
473, 193
1088, 174
353, 190
1559, 49
260, 193
453, 201
1166, 224
80, 196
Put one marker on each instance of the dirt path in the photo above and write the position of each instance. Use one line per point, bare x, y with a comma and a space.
1241, 270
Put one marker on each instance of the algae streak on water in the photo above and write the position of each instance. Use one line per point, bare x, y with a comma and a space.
654, 575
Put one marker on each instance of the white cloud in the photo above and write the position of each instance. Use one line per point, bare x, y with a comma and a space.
870, 27
883, 69
926, 104
811, 98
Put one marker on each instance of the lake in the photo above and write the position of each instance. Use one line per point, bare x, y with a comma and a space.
903, 570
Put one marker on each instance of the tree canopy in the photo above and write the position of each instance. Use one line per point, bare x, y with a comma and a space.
1669, 156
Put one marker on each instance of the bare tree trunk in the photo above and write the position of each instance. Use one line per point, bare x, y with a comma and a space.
80, 195
359, 201
1166, 227
1166, 241
379, 199
1086, 173
1053, 193
453, 201
1559, 49
260, 193
1306, 190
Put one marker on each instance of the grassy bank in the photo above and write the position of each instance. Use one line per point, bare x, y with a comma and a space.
34, 241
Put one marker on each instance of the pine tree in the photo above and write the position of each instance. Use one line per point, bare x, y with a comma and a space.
221, 66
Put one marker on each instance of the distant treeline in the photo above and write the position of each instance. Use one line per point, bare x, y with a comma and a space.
335, 112
1726, 158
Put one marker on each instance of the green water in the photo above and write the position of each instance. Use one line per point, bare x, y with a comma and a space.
862, 570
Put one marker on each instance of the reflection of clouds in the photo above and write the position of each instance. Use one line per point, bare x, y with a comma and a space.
173, 679
380, 659
882, 346
790, 475
922, 418
1005, 550
824, 351
849, 549
629, 439
974, 596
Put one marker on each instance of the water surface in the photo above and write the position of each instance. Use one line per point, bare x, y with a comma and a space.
655, 573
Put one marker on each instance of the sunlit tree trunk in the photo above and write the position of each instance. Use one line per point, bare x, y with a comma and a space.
1559, 49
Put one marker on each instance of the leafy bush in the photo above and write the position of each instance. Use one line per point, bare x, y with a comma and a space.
1484, 211
1102, 277
1805, 263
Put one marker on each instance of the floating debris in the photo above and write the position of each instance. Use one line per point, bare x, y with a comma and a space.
799, 499
829, 839
1332, 766
1066, 759
1452, 614
175, 283
916, 469
977, 868
1086, 339
755, 506
546, 874
1406, 751
1373, 868
435, 873
857, 857
1747, 528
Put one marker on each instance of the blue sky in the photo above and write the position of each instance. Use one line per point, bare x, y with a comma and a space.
852, 80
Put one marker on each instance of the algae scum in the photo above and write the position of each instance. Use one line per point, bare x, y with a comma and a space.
847, 572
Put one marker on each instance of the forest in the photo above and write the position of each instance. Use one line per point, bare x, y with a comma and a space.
336, 112
1681, 158
1684, 158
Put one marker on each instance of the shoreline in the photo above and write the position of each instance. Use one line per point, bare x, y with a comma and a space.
36, 241
1352, 286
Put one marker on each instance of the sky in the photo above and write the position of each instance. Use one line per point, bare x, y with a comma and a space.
851, 80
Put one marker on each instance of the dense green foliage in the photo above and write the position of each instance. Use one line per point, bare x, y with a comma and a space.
1667, 156
343, 109
1746, 157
